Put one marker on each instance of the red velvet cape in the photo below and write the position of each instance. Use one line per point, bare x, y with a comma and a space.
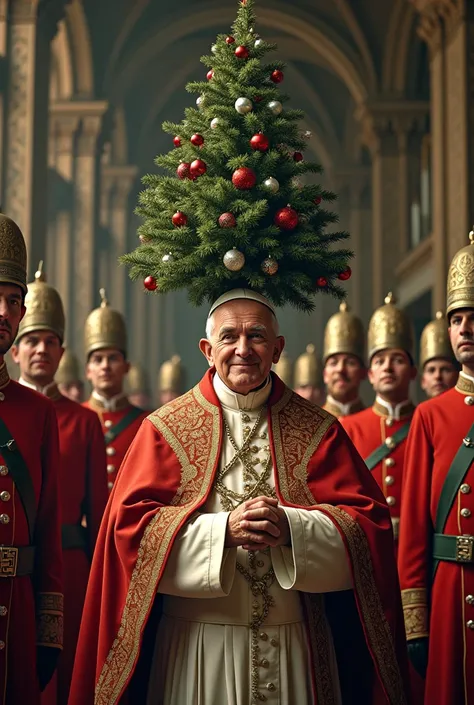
167, 475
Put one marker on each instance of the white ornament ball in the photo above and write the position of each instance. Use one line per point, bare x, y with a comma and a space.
167, 258
271, 184
258, 43
214, 48
215, 122
200, 102
275, 106
234, 260
243, 106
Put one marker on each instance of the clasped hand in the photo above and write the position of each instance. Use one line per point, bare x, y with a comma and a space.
257, 524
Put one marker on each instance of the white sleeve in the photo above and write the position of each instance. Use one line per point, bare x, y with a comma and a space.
317, 560
199, 565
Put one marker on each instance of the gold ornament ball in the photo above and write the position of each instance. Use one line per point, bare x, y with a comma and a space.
271, 184
275, 106
270, 266
234, 260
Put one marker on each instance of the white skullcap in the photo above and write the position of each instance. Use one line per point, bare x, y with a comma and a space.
235, 294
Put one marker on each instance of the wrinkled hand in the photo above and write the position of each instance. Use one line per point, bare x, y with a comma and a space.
257, 524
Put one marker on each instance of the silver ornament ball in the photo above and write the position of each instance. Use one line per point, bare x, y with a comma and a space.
243, 106
214, 48
270, 266
234, 260
167, 258
215, 122
258, 43
275, 106
271, 184
200, 102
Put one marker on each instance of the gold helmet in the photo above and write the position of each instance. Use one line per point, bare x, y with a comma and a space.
390, 327
136, 381
44, 308
12, 253
170, 378
284, 369
344, 334
434, 342
69, 370
105, 328
460, 288
308, 369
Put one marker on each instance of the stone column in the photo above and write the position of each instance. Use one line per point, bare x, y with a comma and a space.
27, 28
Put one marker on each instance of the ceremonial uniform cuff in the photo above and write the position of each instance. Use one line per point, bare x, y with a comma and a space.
49, 619
415, 612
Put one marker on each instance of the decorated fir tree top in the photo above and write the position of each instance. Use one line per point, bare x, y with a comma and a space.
234, 212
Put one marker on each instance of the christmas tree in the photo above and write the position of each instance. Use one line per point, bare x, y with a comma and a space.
234, 212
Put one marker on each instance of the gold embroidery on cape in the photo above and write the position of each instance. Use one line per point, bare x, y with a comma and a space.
196, 423
464, 385
297, 428
415, 612
50, 619
318, 634
377, 628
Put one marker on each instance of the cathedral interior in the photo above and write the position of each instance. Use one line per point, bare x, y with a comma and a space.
385, 86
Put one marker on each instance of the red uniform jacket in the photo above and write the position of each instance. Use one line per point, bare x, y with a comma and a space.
117, 449
31, 606
444, 610
167, 476
368, 430
83, 493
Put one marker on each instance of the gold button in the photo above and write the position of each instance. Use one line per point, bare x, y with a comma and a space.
465, 488
110, 451
274, 642
389, 422
469, 401
271, 686
2, 645
110, 485
245, 418
110, 469
3, 611
108, 423
264, 663
254, 449
470, 624
466, 513
3, 470
389, 480
5, 496
390, 463
263, 435
4, 519
391, 501
263, 636
470, 599
390, 442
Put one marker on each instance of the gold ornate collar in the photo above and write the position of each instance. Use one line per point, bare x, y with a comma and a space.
4, 376
465, 384
118, 403
338, 410
402, 411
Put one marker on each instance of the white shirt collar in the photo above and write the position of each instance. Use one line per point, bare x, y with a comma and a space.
252, 400
393, 411
42, 390
468, 377
108, 404
344, 409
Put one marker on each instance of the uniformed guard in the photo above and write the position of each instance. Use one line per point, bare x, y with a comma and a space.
308, 380
69, 378
439, 368
83, 485
379, 433
436, 557
137, 387
284, 369
343, 360
107, 366
31, 593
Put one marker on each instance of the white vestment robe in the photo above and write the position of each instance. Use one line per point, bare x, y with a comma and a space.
203, 653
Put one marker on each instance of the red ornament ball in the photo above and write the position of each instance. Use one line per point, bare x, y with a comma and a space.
260, 142
298, 157
177, 141
286, 218
277, 76
258, 99
150, 283
184, 170
197, 168
179, 219
321, 282
210, 74
242, 52
227, 220
244, 178
318, 200
230, 40
345, 275
197, 140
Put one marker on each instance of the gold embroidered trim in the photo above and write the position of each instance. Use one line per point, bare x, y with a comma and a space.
464, 385
298, 428
336, 411
4, 376
196, 423
50, 619
120, 404
405, 412
318, 633
415, 612
377, 629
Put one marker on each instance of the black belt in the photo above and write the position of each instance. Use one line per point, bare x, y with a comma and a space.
16, 561
459, 549
73, 536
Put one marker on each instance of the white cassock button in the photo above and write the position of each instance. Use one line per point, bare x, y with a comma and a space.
107, 423
469, 401
470, 624
390, 462
271, 686
5, 496
465, 488
391, 501
110, 469
466, 513
274, 642
110, 451
4, 519
3, 470
263, 636
264, 663
110, 485
389, 480
470, 599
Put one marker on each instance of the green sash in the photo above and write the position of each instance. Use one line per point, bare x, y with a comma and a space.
383, 450
124, 423
20, 475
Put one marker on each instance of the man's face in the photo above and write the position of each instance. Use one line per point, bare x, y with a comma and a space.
73, 390
243, 344
461, 333
12, 311
343, 374
438, 376
390, 374
106, 370
38, 355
